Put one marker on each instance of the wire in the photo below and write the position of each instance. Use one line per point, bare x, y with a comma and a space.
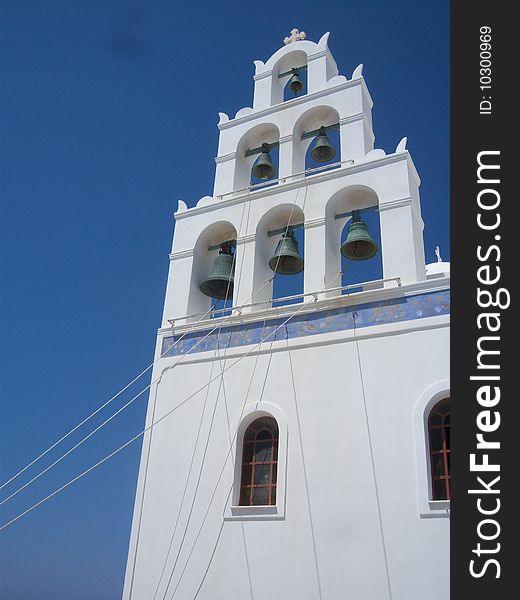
153, 424
293, 381
372, 459
228, 453
86, 419
105, 422
231, 445
218, 393
198, 434
65, 436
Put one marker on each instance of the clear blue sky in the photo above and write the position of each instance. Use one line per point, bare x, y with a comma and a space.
100, 138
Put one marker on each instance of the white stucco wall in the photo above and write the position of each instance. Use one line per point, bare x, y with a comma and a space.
331, 523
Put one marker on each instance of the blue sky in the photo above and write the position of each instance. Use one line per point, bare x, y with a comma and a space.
109, 112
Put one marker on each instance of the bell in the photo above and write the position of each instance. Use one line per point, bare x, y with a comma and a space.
323, 151
263, 167
358, 245
295, 84
219, 283
286, 259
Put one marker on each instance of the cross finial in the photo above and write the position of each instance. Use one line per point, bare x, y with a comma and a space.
438, 253
296, 36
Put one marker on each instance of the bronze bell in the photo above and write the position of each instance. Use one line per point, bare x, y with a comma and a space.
219, 283
263, 167
295, 84
359, 245
323, 151
286, 259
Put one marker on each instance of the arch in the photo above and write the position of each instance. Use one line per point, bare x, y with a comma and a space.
293, 59
214, 234
253, 138
321, 67
259, 462
344, 200
310, 120
277, 217
241, 422
428, 507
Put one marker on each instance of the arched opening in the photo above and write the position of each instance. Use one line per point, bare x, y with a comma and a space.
362, 271
316, 155
249, 151
274, 256
296, 83
351, 270
305, 137
439, 447
213, 270
259, 463
282, 74
265, 181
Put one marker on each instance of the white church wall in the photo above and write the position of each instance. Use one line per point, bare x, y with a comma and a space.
330, 423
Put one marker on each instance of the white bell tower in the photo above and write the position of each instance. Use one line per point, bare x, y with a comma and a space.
294, 451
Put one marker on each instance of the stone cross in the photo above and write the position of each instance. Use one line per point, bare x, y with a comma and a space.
295, 36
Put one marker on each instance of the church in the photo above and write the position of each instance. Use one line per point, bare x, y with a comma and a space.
298, 436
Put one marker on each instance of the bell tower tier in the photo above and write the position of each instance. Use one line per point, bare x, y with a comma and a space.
289, 451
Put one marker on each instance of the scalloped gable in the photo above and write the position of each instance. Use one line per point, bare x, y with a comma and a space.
306, 46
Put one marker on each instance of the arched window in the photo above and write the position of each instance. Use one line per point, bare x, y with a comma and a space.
439, 435
259, 463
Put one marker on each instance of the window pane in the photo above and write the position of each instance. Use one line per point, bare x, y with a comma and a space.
246, 474
436, 438
249, 434
262, 473
439, 489
435, 419
275, 469
447, 419
248, 452
261, 496
264, 435
263, 451
438, 465
244, 496
447, 435
273, 495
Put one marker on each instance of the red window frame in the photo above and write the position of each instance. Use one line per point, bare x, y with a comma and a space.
259, 463
439, 441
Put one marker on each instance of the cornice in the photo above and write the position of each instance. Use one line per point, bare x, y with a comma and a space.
294, 102
290, 184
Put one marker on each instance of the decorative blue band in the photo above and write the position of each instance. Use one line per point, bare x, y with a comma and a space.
393, 310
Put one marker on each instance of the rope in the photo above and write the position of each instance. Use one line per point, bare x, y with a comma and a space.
197, 439
372, 459
303, 466
199, 428
228, 453
222, 382
95, 412
231, 445
65, 436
